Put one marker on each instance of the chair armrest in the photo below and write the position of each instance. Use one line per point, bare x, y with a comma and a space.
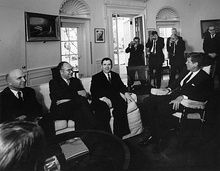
193, 104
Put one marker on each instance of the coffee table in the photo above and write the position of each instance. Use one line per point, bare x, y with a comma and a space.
106, 151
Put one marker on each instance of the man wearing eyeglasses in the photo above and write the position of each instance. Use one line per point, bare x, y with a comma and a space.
211, 48
69, 98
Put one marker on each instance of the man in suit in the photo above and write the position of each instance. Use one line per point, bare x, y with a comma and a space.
211, 48
69, 98
193, 83
136, 58
19, 102
155, 45
106, 87
175, 48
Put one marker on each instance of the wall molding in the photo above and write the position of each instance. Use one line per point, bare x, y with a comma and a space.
39, 75
35, 76
126, 3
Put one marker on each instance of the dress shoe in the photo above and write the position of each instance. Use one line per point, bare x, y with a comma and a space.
147, 141
159, 147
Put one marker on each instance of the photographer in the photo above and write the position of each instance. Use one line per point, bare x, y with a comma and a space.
175, 48
136, 58
155, 45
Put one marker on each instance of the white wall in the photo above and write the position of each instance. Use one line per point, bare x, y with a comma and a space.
191, 12
14, 49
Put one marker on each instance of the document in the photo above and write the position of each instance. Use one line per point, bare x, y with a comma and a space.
73, 148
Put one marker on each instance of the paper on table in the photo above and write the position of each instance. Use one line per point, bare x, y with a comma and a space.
73, 148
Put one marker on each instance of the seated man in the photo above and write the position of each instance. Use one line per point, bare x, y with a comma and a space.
69, 99
22, 146
193, 83
106, 87
18, 102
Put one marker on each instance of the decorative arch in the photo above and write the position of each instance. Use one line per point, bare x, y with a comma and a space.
167, 13
77, 8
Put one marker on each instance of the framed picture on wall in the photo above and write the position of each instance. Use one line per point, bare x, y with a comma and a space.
99, 35
42, 27
206, 23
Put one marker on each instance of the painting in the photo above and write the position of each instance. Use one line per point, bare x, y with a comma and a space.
99, 35
206, 23
42, 27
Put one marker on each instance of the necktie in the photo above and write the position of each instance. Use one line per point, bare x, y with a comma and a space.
109, 78
174, 48
154, 47
187, 78
68, 82
19, 96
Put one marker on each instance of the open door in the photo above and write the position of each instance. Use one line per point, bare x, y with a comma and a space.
139, 30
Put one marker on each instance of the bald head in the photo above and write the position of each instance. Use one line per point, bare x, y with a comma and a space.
16, 79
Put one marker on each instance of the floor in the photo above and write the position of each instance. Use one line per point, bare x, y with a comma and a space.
200, 154
204, 155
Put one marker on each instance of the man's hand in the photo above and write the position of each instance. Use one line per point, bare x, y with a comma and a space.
82, 93
21, 118
176, 102
128, 97
107, 101
62, 101
212, 55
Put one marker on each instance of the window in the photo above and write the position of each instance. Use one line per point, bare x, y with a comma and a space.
69, 46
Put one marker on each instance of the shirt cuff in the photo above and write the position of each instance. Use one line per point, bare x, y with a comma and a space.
185, 97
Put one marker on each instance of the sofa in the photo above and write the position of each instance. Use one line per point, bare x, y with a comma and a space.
62, 126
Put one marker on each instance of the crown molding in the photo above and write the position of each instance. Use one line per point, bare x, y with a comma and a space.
127, 3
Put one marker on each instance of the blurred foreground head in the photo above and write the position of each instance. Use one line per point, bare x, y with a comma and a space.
22, 146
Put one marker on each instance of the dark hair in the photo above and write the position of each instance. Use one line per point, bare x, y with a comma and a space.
60, 65
22, 146
154, 32
136, 38
196, 57
106, 59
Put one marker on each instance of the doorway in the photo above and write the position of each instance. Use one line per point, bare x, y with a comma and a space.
124, 28
121, 38
75, 45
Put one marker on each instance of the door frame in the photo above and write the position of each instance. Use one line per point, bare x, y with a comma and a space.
129, 11
84, 51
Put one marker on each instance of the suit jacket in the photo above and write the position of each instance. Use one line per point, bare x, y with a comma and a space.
60, 90
159, 49
198, 88
178, 56
100, 86
136, 56
11, 107
211, 45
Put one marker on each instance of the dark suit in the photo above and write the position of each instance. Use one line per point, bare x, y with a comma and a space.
12, 107
101, 87
211, 45
159, 111
156, 60
77, 109
136, 59
176, 57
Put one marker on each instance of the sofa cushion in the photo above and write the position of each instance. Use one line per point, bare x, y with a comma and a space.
43, 95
